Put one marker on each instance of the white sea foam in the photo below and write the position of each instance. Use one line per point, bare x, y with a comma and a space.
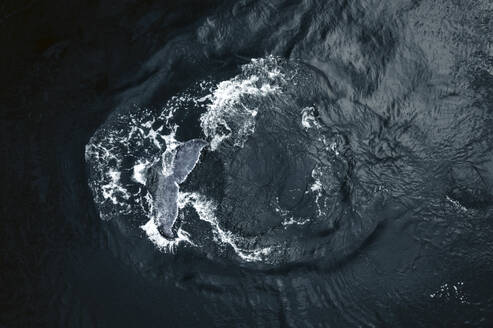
113, 187
317, 188
294, 221
288, 218
168, 157
448, 291
225, 106
206, 210
229, 114
308, 119
139, 171
456, 204
165, 244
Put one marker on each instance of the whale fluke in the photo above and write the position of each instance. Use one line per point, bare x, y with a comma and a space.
165, 188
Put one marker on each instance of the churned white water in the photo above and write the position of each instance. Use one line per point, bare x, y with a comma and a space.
148, 138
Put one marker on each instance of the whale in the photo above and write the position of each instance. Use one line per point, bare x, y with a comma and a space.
165, 189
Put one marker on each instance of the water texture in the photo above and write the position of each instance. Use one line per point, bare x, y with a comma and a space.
255, 164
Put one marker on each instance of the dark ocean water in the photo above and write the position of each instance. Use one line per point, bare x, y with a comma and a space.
347, 179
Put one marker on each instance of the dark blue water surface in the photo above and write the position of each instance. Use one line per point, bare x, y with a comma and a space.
344, 175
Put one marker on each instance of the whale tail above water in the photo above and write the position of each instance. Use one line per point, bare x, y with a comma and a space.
165, 188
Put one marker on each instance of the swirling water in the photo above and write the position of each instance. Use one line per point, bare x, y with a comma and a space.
347, 179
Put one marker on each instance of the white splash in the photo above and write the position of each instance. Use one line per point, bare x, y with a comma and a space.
106, 153
317, 188
226, 105
285, 214
146, 137
229, 114
139, 171
168, 157
456, 204
308, 119
451, 291
292, 221
206, 211
165, 244
114, 191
